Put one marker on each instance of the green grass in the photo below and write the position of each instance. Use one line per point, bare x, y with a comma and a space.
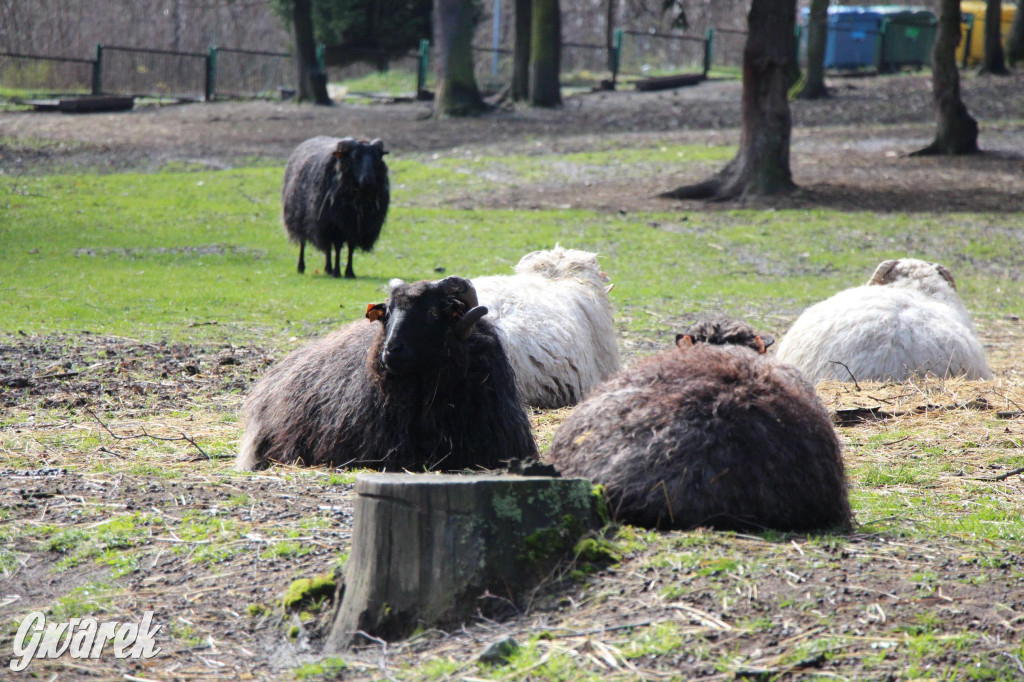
202, 255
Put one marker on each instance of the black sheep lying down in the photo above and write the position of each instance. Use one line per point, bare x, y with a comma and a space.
422, 384
708, 434
335, 192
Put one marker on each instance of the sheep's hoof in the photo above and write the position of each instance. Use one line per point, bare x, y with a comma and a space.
349, 274
335, 273
301, 269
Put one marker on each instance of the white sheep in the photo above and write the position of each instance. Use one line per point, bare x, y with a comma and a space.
556, 321
906, 321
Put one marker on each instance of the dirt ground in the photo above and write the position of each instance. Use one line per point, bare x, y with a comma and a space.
84, 406
842, 156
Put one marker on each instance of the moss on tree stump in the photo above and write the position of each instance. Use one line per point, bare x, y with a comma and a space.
426, 548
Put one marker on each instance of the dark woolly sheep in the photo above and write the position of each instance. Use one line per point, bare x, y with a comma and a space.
709, 435
335, 192
722, 332
429, 387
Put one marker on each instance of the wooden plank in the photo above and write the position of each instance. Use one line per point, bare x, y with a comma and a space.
83, 105
667, 82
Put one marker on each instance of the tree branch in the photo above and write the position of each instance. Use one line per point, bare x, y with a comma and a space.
145, 434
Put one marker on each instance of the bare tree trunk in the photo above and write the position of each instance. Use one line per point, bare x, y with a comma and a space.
312, 82
457, 91
611, 12
546, 54
1015, 41
994, 61
761, 166
817, 37
957, 131
521, 52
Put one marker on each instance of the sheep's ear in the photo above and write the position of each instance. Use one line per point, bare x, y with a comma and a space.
763, 342
375, 312
684, 341
946, 275
465, 324
881, 275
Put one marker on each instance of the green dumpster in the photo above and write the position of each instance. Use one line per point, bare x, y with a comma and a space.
907, 37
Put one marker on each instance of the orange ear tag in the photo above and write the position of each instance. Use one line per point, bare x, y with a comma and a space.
375, 312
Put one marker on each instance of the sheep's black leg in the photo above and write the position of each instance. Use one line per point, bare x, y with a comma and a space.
302, 256
348, 268
327, 268
337, 261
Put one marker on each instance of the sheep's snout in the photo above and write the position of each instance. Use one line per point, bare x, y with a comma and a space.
364, 168
396, 358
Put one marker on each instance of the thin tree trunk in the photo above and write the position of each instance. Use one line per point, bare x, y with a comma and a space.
546, 54
761, 166
521, 51
817, 38
457, 91
312, 82
957, 131
994, 61
611, 12
1015, 41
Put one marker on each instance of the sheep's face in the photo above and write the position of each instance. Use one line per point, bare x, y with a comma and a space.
724, 332
420, 321
362, 161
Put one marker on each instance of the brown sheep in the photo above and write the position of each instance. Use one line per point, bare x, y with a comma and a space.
709, 435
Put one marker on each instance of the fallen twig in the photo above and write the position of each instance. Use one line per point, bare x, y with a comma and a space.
1002, 476
844, 366
146, 434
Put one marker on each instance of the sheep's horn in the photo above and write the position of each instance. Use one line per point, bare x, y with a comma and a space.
378, 144
946, 275
345, 144
881, 274
461, 289
464, 327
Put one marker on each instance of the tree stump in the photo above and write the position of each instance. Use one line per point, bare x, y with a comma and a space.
427, 547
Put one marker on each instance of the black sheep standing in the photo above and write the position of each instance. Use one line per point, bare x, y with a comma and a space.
335, 192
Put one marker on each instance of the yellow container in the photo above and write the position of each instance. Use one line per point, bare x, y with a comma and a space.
977, 48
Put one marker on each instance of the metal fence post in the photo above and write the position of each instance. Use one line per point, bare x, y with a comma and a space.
969, 20
421, 71
97, 71
616, 55
211, 73
709, 41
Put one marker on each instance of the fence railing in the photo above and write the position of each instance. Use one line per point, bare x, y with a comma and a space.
43, 75
376, 73
237, 73
648, 54
248, 74
143, 72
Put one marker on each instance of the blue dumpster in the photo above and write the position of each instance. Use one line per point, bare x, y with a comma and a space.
852, 41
